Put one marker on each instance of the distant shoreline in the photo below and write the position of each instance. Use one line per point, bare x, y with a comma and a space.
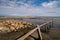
29, 16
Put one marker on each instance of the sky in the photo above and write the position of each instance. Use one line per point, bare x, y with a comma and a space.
29, 7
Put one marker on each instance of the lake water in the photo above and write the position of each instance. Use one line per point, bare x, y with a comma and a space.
54, 33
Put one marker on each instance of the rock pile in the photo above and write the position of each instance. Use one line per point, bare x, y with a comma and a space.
13, 25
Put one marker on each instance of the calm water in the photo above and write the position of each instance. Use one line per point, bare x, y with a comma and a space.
26, 19
54, 33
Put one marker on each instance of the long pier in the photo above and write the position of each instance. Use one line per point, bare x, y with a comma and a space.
47, 25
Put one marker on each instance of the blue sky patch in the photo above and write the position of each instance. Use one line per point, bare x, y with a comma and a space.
30, 7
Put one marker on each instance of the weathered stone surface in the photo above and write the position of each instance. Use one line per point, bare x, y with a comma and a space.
13, 25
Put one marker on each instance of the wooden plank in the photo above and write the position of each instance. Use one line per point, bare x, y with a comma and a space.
43, 24
26, 35
29, 33
39, 32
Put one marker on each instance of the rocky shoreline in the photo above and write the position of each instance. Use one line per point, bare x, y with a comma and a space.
13, 25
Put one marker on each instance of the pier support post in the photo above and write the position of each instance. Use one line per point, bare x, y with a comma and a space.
39, 33
46, 28
52, 23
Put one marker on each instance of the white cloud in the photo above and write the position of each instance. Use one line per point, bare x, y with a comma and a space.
51, 4
27, 9
33, 11
4, 0
11, 3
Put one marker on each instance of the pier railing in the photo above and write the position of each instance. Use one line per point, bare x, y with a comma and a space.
38, 29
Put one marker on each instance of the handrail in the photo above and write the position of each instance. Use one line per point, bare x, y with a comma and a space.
32, 31
26, 35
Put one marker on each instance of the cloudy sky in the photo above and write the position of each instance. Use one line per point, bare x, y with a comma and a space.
29, 7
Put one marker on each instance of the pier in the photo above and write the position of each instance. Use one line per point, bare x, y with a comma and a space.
47, 25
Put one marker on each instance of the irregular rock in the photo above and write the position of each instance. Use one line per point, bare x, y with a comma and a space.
13, 25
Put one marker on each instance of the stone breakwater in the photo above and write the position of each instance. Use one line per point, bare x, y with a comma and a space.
13, 25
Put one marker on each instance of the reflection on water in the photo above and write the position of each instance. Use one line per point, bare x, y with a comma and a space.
54, 32
25, 19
